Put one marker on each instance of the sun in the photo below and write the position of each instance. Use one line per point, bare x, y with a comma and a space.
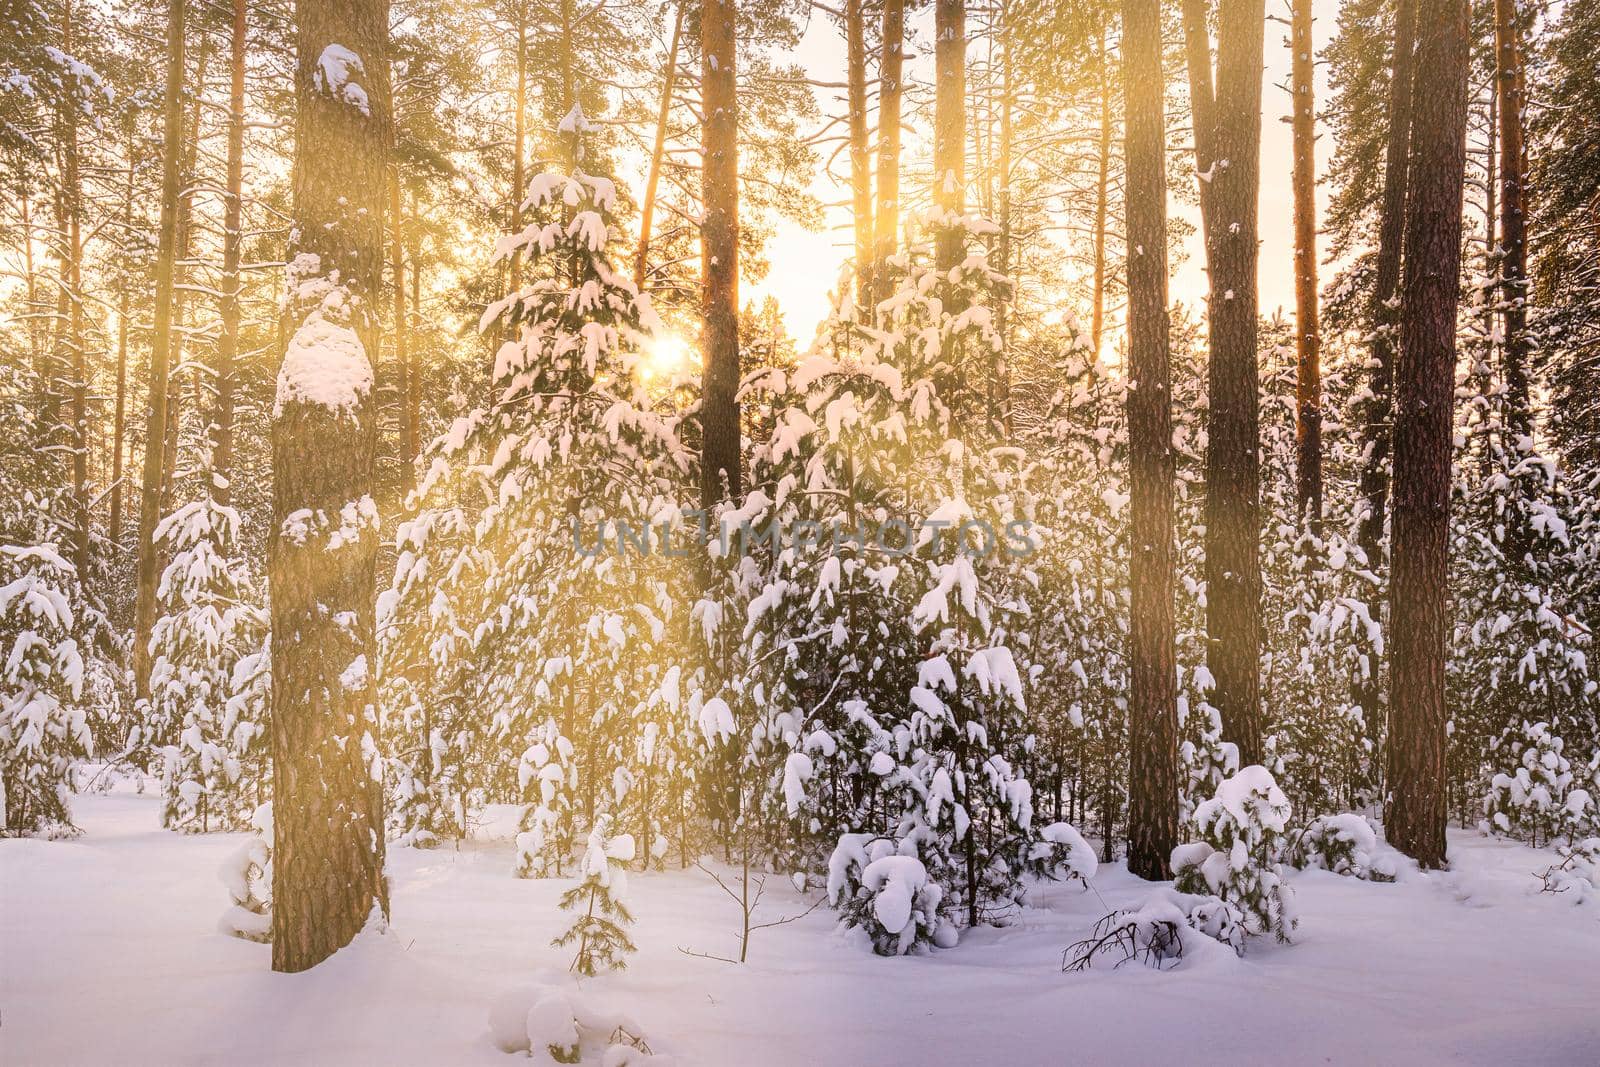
665, 354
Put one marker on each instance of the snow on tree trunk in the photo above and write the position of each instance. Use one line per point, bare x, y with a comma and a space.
328, 851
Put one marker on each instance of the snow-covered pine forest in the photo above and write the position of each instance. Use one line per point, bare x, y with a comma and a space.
624, 532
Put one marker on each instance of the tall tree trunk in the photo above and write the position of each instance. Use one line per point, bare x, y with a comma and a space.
519, 151
35, 347
328, 818
860, 153
1418, 609
1153, 707
232, 240
182, 298
73, 284
1377, 429
119, 434
413, 399
1102, 183
886, 221
1000, 384
1513, 252
1308, 334
1233, 473
402, 339
949, 127
1202, 103
1377, 412
647, 210
719, 241
155, 437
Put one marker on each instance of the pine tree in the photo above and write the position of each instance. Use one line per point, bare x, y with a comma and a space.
533, 580
44, 728
214, 737
1241, 833
599, 930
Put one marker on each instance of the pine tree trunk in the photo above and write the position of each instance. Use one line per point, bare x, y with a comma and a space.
1153, 707
1377, 431
328, 818
232, 240
1418, 591
155, 437
860, 153
886, 220
119, 434
1513, 252
949, 126
1308, 334
720, 476
1000, 386
1233, 474
1202, 103
519, 150
647, 209
402, 345
413, 397
1102, 200
73, 285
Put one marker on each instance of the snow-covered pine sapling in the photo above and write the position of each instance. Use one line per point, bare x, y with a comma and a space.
509, 591
1535, 800
214, 738
1061, 853
598, 931
1241, 832
43, 727
247, 873
1344, 844
883, 888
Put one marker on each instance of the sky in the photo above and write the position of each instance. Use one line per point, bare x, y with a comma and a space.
805, 263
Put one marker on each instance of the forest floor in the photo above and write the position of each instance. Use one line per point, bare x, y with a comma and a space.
109, 953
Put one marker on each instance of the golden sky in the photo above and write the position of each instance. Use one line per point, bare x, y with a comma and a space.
805, 264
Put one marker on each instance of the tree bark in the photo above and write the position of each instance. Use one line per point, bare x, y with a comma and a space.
328, 819
1513, 252
72, 283
155, 437
402, 339
949, 127
519, 175
232, 241
119, 433
860, 153
1308, 334
1418, 615
647, 210
720, 476
1152, 708
1102, 200
1233, 473
1384, 316
1202, 103
886, 221
1000, 419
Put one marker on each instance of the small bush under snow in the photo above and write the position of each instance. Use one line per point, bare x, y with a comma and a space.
1344, 844
1241, 832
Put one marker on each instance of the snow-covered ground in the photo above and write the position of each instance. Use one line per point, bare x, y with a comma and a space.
109, 953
